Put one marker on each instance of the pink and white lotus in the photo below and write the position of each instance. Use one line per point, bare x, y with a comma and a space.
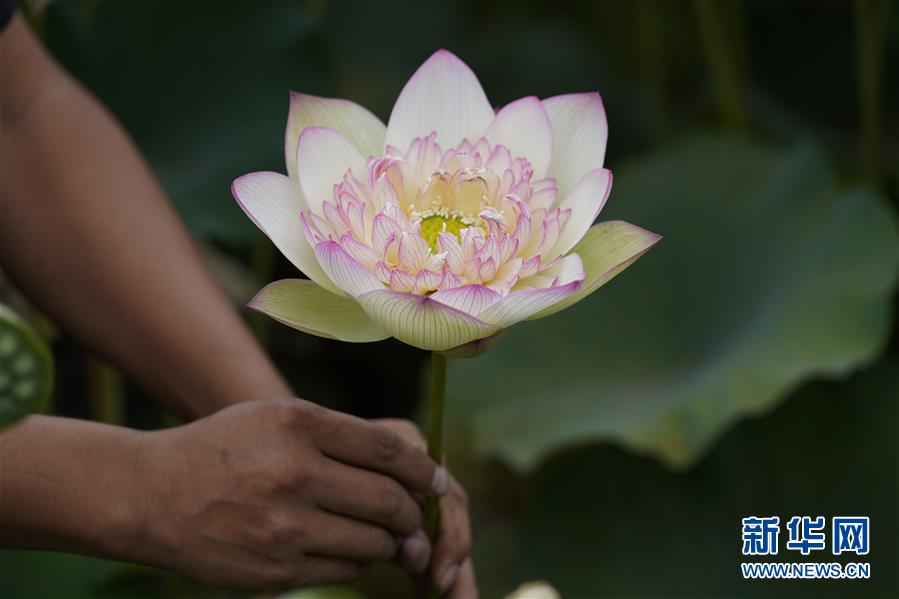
447, 226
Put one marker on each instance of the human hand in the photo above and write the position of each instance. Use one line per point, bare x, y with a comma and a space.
451, 567
282, 493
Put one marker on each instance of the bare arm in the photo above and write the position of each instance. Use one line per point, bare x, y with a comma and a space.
265, 494
52, 472
86, 231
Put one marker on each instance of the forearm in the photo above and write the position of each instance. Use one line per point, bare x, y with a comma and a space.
70, 485
87, 232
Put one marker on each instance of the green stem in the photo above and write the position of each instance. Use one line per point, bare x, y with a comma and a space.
263, 262
436, 393
720, 33
870, 29
654, 59
106, 392
434, 432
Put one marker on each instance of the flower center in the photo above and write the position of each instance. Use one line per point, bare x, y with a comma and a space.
442, 220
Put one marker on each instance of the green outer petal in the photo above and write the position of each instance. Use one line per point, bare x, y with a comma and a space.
606, 250
305, 306
422, 322
359, 125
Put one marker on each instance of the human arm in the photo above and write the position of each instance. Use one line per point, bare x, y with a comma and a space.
86, 231
263, 495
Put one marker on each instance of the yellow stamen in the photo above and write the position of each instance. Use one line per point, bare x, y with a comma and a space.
435, 222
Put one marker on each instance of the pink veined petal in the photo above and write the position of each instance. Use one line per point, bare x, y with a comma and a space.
399, 173
391, 249
519, 217
346, 272
538, 281
436, 262
566, 270
449, 245
383, 193
324, 156
543, 198
472, 239
335, 218
400, 280
359, 125
548, 233
490, 249
420, 321
382, 228
530, 244
496, 222
508, 247
413, 251
360, 221
523, 303
500, 159
579, 137
550, 263
443, 95
425, 154
530, 267
360, 252
316, 228
472, 268
274, 202
487, 269
523, 127
471, 299
383, 272
585, 201
397, 214
451, 280
426, 280
544, 184
507, 276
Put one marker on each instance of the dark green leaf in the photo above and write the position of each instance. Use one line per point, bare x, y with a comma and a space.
769, 273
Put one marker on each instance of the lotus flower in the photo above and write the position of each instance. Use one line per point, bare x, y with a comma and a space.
447, 226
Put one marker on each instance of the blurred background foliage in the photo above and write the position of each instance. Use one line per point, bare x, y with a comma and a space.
748, 365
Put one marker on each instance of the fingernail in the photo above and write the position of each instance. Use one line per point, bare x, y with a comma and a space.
448, 578
440, 482
416, 551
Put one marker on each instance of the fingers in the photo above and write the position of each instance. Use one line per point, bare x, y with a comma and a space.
453, 568
466, 586
368, 496
329, 570
348, 539
454, 540
415, 552
377, 447
407, 429
411, 433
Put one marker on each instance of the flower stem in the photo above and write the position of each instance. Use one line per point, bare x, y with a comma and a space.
720, 32
105, 392
434, 433
871, 27
436, 393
